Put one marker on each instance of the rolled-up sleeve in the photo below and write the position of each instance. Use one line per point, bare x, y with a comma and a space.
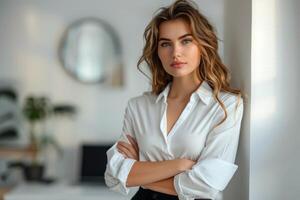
215, 166
118, 167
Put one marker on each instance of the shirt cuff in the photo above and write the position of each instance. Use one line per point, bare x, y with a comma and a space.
117, 172
204, 180
125, 169
178, 189
215, 172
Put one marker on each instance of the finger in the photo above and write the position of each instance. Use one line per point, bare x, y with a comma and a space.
125, 151
128, 147
131, 149
120, 148
133, 142
122, 153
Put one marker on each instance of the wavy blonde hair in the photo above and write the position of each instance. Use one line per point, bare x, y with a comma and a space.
211, 68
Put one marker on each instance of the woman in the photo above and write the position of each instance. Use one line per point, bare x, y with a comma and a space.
180, 140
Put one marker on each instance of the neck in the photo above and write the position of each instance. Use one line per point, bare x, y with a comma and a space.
183, 87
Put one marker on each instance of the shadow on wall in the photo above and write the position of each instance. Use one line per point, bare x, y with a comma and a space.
237, 56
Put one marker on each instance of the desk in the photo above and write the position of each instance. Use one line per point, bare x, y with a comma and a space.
18, 153
62, 192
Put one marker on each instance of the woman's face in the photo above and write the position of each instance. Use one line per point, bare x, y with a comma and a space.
177, 49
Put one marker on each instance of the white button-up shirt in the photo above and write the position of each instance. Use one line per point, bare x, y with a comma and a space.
193, 136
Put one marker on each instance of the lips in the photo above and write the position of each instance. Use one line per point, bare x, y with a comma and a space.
177, 64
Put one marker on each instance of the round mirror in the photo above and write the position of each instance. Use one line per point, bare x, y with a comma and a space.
91, 52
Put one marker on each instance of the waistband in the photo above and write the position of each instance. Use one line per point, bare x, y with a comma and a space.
146, 194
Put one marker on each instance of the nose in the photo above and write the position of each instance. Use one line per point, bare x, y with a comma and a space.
176, 51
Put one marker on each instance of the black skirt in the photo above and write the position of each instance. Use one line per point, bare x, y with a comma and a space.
145, 194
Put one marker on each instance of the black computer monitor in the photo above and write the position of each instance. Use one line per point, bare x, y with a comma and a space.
93, 163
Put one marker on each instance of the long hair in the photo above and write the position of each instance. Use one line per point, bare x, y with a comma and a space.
211, 68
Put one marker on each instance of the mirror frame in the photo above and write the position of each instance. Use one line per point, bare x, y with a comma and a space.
108, 28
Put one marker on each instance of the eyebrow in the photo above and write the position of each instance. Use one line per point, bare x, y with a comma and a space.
185, 35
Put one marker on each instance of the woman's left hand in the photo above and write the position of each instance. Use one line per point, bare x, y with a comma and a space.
129, 150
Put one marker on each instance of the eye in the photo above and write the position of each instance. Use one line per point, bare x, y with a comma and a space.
186, 41
164, 44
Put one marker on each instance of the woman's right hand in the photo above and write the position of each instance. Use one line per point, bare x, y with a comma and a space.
185, 164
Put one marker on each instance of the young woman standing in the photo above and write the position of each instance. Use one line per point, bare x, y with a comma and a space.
180, 140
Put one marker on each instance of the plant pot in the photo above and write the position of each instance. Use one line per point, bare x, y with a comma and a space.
34, 172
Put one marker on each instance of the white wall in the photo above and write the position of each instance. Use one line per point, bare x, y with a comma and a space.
275, 138
237, 53
30, 32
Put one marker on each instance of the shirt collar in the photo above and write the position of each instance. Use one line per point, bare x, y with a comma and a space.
164, 93
204, 92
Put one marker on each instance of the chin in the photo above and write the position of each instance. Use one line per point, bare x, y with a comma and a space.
178, 73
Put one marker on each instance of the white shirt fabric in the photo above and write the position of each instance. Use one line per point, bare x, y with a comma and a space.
193, 136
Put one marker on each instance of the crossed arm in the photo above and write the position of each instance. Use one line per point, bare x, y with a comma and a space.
157, 176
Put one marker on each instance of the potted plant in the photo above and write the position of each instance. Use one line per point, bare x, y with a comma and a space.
37, 110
